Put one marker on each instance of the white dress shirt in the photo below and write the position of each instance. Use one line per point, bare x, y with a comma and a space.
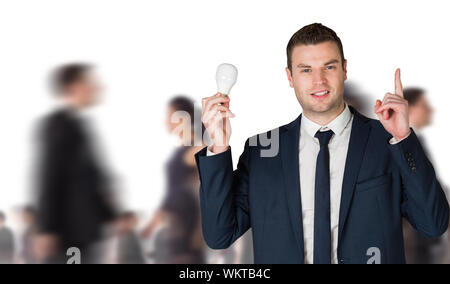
308, 150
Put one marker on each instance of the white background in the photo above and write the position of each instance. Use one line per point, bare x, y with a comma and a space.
148, 51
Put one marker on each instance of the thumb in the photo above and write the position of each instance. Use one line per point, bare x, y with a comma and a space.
376, 107
380, 116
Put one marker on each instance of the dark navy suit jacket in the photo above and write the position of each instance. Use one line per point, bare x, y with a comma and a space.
382, 183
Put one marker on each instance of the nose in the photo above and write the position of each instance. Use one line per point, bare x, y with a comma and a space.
319, 77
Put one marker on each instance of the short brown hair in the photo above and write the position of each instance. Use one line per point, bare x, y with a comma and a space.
313, 34
68, 74
413, 94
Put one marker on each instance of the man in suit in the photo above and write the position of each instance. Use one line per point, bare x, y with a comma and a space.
74, 201
337, 189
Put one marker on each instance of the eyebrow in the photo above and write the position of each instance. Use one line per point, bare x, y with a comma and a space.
333, 61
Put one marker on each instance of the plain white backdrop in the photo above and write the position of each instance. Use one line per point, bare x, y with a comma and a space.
148, 51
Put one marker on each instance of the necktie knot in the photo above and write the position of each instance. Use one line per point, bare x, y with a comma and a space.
324, 136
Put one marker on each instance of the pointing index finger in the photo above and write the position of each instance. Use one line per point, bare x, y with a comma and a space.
398, 83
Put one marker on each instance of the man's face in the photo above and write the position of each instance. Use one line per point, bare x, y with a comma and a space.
421, 112
86, 90
318, 77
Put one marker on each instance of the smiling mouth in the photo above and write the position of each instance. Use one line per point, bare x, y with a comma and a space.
321, 93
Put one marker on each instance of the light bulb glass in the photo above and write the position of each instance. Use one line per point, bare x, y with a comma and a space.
226, 77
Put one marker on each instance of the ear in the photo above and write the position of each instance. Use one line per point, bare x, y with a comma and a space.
345, 69
289, 77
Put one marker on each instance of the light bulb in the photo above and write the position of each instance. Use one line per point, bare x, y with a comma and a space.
226, 77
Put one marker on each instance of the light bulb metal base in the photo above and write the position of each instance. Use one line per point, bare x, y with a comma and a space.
222, 95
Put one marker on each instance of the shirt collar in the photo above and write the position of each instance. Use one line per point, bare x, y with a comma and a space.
337, 125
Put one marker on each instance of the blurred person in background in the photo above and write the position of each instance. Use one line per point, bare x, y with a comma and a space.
28, 214
74, 201
420, 110
419, 249
6, 242
244, 248
130, 249
181, 239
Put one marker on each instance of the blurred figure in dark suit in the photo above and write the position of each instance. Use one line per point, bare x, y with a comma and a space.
418, 249
74, 201
6, 242
181, 240
130, 249
28, 214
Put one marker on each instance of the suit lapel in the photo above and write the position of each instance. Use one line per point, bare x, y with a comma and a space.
289, 142
358, 141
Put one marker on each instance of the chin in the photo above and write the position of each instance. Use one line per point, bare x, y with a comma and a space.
321, 106
321, 109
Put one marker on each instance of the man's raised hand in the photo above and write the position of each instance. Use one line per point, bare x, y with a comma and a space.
393, 111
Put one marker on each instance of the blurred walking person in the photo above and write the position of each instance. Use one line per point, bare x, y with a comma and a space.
74, 201
6, 242
181, 239
420, 110
28, 214
129, 246
419, 249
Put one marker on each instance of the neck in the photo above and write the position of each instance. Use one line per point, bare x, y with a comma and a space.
324, 118
73, 103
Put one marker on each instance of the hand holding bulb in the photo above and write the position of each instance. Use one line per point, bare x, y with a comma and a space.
215, 109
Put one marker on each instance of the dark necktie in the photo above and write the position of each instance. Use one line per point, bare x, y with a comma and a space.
322, 231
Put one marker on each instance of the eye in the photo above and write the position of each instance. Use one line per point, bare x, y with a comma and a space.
306, 70
330, 67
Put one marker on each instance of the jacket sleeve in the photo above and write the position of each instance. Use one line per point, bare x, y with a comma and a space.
424, 203
223, 197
